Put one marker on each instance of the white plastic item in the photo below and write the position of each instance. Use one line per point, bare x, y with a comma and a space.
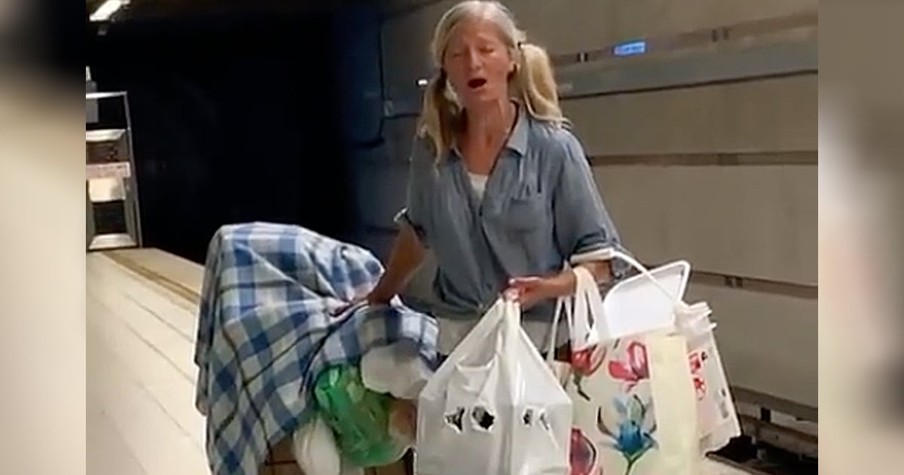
717, 416
315, 451
640, 304
494, 407
350, 469
395, 369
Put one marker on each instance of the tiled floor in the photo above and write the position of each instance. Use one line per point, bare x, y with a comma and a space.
140, 337
140, 411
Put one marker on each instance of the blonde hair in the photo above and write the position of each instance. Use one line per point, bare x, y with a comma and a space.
533, 81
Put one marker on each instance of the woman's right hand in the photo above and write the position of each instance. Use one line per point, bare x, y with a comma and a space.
407, 254
377, 296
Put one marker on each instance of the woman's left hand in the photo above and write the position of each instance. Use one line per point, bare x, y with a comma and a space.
529, 291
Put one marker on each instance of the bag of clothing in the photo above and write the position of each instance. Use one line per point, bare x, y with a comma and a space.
494, 406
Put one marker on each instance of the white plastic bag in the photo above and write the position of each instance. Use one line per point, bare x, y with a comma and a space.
395, 369
314, 448
584, 315
717, 416
494, 407
350, 470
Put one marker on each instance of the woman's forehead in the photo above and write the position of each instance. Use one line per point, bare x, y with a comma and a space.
475, 29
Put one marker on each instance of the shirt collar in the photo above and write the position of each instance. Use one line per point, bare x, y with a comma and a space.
517, 141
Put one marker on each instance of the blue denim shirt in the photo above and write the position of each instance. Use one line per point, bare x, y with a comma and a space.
540, 207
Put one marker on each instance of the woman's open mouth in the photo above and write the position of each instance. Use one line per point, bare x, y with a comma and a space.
477, 83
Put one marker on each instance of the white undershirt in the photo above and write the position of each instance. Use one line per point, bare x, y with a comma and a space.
451, 332
479, 183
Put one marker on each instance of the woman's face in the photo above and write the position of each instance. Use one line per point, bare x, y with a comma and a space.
478, 64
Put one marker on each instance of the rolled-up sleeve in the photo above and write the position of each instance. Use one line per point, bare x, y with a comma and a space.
582, 223
415, 212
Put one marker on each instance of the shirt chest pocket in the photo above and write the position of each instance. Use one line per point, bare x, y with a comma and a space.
526, 213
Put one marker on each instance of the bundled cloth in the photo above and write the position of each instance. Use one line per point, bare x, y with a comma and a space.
268, 329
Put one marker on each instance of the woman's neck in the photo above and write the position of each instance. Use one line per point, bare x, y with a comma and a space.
487, 126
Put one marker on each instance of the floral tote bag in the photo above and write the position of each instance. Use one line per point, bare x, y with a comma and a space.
638, 410
635, 410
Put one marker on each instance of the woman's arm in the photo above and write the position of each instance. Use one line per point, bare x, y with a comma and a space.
404, 260
410, 245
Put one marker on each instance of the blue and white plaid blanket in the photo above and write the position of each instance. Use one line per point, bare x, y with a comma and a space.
267, 330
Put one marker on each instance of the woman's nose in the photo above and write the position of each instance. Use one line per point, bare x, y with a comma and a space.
474, 60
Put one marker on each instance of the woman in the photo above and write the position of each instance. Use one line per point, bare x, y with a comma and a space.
499, 188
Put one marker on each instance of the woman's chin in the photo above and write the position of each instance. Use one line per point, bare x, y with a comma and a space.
482, 99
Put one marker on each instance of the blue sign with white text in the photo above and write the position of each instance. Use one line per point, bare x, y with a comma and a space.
630, 49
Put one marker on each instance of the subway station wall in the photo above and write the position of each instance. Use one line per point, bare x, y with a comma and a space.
722, 175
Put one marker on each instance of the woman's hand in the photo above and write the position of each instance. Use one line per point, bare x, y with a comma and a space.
529, 291
377, 296
407, 255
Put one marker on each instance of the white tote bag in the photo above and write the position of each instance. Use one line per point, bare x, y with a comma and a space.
636, 403
494, 406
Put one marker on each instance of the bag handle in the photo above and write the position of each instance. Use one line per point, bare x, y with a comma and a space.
562, 304
511, 324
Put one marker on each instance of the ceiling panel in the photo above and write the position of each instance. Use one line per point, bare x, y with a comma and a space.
144, 8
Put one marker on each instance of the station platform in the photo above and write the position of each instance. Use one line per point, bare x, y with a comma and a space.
140, 414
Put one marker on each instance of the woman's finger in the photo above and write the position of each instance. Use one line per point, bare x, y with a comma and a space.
512, 294
528, 300
345, 308
523, 281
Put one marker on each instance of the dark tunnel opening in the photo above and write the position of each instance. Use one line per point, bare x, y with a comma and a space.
238, 116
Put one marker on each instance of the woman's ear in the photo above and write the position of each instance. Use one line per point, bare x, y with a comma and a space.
513, 69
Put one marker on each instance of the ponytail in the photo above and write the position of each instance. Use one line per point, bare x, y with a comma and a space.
439, 114
537, 83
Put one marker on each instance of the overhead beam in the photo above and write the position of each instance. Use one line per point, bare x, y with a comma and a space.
690, 70
682, 60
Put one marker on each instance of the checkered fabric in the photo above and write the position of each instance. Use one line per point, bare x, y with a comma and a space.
267, 329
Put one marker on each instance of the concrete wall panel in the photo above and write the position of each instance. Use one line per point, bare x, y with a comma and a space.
753, 221
768, 343
770, 115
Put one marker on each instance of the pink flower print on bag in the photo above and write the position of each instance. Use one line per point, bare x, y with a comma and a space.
634, 368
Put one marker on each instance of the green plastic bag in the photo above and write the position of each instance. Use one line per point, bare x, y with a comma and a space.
358, 416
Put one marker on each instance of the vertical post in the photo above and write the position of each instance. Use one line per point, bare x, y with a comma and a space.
134, 211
